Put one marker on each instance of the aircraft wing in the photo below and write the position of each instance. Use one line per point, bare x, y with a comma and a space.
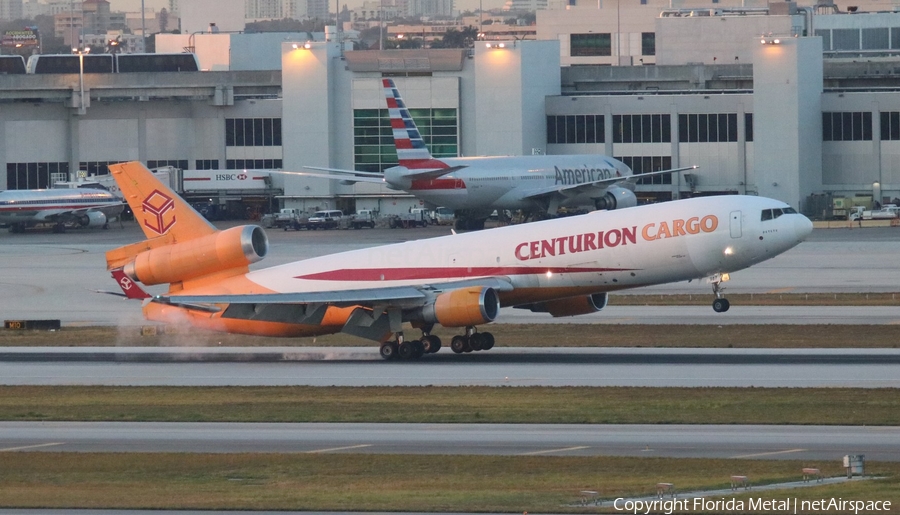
390, 296
570, 190
340, 175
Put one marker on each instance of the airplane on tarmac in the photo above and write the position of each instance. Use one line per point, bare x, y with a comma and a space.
475, 186
565, 266
87, 207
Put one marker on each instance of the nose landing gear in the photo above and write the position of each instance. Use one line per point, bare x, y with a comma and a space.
720, 304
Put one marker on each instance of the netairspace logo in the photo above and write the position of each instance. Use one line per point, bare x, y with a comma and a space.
723, 505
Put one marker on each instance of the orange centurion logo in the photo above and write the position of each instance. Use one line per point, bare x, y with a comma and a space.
584, 242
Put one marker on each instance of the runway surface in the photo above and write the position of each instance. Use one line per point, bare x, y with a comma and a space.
707, 441
361, 366
49, 275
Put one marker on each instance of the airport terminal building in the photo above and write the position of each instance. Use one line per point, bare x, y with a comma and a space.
788, 118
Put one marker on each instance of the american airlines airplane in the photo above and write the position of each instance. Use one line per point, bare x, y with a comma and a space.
563, 267
475, 186
87, 207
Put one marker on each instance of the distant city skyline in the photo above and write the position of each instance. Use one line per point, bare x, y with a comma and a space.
135, 5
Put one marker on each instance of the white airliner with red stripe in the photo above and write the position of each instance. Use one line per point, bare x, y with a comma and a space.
475, 186
564, 267
86, 207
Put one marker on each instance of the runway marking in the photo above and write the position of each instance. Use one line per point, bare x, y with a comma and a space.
780, 290
548, 451
340, 448
768, 453
10, 449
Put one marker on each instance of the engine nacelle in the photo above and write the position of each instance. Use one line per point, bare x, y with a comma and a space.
92, 219
231, 248
572, 306
463, 307
616, 197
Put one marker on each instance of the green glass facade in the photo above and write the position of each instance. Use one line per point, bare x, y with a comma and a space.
373, 140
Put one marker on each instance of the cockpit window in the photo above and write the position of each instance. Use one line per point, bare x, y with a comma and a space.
771, 214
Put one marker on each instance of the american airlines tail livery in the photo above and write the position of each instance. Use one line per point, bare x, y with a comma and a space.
475, 186
563, 267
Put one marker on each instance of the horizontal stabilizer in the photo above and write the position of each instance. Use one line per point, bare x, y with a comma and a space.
130, 289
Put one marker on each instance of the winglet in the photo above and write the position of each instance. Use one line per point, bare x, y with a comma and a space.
411, 149
129, 287
158, 209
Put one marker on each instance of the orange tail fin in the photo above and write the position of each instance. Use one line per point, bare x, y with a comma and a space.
158, 209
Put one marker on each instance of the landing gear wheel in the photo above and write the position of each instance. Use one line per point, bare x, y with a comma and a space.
388, 350
721, 305
432, 343
458, 344
476, 341
488, 342
418, 348
406, 350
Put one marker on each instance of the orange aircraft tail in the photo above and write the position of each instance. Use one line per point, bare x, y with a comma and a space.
158, 209
181, 245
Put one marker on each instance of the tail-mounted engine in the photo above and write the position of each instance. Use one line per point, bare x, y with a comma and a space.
616, 197
223, 250
572, 306
463, 307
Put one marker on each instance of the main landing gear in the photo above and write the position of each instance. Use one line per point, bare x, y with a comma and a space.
410, 349
471, 341
720, 304
429, 344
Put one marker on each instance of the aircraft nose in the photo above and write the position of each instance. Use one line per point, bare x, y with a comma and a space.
803, 226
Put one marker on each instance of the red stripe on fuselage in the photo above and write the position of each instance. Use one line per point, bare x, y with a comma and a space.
437, 184
39, 207
423, 274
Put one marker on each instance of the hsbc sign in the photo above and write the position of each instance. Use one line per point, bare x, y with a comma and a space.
213, 180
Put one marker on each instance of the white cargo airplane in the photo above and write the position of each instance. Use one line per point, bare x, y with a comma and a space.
87, 207
473, 187
563, 267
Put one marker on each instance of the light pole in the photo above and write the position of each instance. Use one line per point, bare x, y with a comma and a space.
143, 30
81, 51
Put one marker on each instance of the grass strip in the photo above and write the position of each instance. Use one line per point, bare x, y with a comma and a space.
361, 482
508, 335
538, 405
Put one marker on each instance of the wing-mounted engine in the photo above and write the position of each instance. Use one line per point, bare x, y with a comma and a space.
223, 250
616, 197
571, 306
463, 307
92, 219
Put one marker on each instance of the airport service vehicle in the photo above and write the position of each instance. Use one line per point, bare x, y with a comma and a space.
82, 206
443, 216
473, 187
563, 267
415, 218
289, 218
327, 219
363, 218
887, 212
